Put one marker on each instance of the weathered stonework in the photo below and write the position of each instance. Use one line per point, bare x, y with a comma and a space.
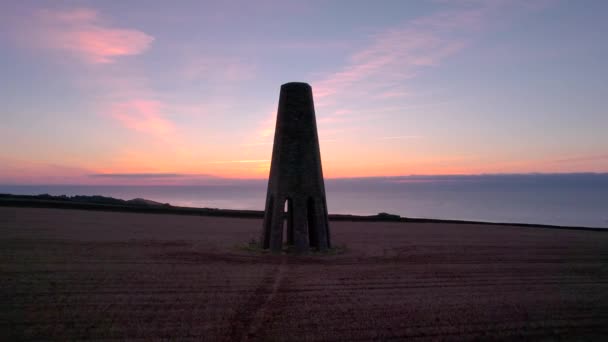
296, 176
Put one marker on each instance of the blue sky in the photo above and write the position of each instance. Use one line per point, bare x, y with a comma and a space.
401, 87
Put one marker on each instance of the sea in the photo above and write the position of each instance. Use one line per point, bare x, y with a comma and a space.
553, 199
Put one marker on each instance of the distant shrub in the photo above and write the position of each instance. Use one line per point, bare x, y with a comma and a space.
387, 216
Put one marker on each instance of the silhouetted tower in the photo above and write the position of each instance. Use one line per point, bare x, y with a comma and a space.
296, 192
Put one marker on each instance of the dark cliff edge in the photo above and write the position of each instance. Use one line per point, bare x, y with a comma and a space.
140, 205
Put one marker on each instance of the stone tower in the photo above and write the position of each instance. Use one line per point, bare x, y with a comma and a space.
296, 192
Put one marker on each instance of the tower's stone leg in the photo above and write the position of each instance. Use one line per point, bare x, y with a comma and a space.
300, 226
319, 219
290, 217
296, 176
275, 222
268, 212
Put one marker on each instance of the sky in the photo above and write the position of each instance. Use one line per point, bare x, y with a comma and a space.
160, 92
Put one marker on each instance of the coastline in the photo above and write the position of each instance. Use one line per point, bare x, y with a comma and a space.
146, 206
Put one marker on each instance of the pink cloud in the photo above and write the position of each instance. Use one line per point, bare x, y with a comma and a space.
143, 116
82, 33
393, 56
381, 69
396, 55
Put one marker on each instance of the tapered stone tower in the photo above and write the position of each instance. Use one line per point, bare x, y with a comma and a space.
295, 202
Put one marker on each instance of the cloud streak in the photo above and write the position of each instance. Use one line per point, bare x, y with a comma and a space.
144, 116
381, 70
83, 33
397, 54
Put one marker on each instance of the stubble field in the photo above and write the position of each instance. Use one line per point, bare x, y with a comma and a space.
72, 274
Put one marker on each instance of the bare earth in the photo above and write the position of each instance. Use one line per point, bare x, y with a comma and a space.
72, 274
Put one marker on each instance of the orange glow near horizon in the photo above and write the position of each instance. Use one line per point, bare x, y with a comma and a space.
41, 173
438, 88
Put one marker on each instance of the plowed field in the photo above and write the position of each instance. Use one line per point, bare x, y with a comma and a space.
72, 274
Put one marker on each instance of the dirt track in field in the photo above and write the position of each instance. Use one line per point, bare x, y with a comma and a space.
71, 274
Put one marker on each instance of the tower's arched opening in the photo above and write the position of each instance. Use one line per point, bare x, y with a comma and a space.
288, 221
313, 238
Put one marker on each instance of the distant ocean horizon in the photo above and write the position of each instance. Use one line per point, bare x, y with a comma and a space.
555, 199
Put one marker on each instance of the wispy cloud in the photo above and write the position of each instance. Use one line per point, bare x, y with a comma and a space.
143, 115
126, 93
83, 33
382, 69
397, 54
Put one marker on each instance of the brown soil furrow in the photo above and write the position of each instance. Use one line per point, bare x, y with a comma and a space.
262, 314
246, 316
